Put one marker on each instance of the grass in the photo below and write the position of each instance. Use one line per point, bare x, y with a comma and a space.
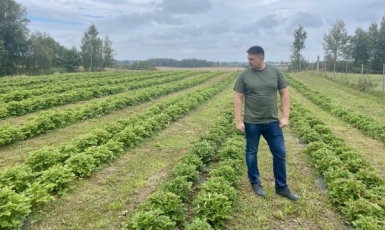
371, 83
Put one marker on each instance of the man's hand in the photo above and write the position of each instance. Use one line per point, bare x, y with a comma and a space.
284, 122
240, 126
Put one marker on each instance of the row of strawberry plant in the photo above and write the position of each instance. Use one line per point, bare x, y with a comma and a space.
84, 84
170, 198
54, 119
365, 123
168, 207
49, 172
31, 82
18, 108
353, 185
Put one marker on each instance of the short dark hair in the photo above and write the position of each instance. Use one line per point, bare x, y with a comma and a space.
256, 50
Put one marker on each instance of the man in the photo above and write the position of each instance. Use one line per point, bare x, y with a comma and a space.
258, 85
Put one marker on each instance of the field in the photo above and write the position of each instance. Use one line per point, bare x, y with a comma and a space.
159, 150
371, 83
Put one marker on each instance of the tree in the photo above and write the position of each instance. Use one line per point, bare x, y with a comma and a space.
92, 50
381, 42
360, 47
374, 51
41, 53
300, 36
108, 53
13, 36
72, 59
335, 41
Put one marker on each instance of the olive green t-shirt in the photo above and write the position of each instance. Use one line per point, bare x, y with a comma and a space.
260, 88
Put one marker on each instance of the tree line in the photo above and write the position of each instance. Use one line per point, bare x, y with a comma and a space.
190, 62
364, 47
22, 52
152, 63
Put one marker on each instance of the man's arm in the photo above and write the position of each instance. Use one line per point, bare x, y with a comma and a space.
285, 103
238, 104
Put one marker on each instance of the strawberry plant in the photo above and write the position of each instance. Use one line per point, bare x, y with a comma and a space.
152, 219
179, 186
214, 207
199, 224
13, 207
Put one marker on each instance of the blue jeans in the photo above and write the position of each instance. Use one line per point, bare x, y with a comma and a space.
274, 137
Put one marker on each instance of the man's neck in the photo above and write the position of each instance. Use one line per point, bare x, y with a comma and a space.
262, 67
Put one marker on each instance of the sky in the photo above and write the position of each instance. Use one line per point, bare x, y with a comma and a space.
214, 30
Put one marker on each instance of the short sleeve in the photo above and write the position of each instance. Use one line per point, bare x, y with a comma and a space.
240, 85
282, 81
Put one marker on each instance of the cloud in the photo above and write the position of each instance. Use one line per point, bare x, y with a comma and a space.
93, 16
268, 25
54, 21
185, 6
308, 20
135, 21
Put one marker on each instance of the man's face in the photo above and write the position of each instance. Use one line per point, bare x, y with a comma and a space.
255, 61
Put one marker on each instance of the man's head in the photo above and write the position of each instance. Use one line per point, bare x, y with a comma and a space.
256, 57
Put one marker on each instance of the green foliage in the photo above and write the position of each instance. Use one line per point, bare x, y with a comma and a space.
369, 223
300, 36
214, 207
57, 178
185, 170
45, 158
226, 171
13, 36
219, 185
81, 164
38, 193
204, 150
17, 177
353, 185
192, 159
150, 220
199, 224
13, 208
179, 186
170, 204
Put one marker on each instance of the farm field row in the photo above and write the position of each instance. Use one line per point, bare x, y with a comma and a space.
114, 194
51, 100
61, 85
18, 151
59, 118
370, 148
349, 98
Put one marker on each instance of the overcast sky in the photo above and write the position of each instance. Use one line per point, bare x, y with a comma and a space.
215, 30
